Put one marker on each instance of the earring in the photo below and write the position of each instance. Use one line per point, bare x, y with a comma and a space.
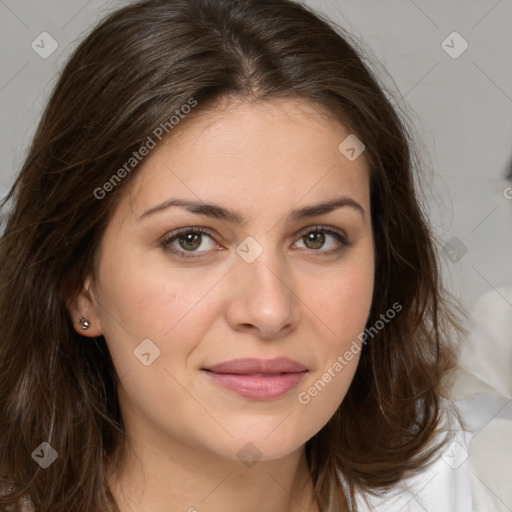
84, 323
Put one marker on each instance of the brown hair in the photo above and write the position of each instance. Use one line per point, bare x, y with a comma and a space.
139, 66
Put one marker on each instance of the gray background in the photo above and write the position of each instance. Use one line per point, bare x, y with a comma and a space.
461, 107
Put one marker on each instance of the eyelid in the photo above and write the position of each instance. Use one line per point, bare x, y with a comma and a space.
188, 229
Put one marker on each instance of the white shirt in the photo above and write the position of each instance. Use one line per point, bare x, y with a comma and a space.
474, 473
443, 486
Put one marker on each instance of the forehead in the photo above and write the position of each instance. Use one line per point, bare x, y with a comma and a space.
261, 152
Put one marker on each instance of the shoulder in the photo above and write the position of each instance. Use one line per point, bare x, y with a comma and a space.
486, 354
442, 486
494, 303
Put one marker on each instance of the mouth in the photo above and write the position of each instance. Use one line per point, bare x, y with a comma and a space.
257, 379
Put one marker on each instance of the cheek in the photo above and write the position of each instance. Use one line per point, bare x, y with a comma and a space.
137, 300
343, 307
344, 300
149, 321
142, 300
148, 298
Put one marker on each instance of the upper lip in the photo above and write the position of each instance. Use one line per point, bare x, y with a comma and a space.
254, 365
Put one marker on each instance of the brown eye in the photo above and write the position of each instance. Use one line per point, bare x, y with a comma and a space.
188, 240
314, 240
318, 237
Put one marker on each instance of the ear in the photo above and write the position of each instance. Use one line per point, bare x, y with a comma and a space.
84, 305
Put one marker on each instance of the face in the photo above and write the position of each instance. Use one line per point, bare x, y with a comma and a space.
218, 251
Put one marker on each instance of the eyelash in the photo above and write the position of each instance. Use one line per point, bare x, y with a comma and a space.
338, 235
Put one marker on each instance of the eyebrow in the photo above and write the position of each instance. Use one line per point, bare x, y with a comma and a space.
225, 214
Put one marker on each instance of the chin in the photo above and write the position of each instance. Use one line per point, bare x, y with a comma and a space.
250, 452
261, 445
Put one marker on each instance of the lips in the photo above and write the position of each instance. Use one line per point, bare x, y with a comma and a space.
258, 379
252, 366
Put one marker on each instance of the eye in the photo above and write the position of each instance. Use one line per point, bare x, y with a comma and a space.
187, 240
315, 238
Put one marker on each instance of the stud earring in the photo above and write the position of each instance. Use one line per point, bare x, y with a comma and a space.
84, 323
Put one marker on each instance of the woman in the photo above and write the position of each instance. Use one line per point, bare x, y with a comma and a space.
218, 288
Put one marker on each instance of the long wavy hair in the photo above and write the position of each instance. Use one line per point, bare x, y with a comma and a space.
139, 66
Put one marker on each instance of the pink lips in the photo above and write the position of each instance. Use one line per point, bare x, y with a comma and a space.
259, 379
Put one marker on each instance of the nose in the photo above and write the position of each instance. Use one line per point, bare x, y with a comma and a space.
263, 300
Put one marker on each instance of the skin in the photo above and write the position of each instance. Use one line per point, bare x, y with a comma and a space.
295, 300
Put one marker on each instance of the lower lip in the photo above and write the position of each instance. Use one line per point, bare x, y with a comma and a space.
258, 387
